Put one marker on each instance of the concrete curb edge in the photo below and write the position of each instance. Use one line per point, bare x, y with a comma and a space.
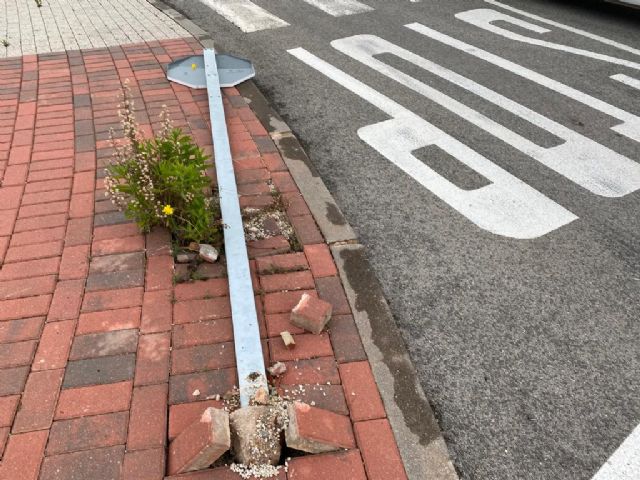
422, 447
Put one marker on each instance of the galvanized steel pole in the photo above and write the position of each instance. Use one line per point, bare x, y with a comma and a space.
246, 332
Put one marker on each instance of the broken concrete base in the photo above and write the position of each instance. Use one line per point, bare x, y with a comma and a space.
256, 435
201, 443
315, 430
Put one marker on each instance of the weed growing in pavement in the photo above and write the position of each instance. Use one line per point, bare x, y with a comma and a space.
5, 43
38, 3
161, 181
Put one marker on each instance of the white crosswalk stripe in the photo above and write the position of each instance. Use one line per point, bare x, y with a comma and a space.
624, 464
250, 17
627, 80
245, 15
339, 8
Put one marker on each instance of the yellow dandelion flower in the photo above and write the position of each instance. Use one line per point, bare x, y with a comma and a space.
167, 210
194, 66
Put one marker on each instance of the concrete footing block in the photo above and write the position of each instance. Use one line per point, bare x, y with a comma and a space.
256, 435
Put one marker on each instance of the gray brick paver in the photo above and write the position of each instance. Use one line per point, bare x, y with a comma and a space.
61, 25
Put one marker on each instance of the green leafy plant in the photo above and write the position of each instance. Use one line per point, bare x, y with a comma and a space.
5, 43
38, 3
162, 181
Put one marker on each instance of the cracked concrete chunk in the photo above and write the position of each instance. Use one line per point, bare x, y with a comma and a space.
256, 435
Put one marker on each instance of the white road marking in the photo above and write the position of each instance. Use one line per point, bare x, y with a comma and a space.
631, 123
568, 28
629, 81
624, 464
507, 206
482, 18
583, 161
246, 15
339, 8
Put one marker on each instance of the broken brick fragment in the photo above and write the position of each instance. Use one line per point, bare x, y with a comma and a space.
311, 313
288, 339
201, 443
314, 430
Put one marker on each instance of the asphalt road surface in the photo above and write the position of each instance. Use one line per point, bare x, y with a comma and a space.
491, 165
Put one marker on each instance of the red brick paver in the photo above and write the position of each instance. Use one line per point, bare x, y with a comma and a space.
103, 359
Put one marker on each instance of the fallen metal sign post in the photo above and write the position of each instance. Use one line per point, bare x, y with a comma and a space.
212, 71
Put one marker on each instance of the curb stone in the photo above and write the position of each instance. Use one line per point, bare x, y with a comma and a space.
418, 436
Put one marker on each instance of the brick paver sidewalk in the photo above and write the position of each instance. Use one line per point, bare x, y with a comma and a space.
103, 360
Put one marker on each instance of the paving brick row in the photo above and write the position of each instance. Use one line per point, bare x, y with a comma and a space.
38, 236
307, 346
12, 380
144, 464
23, 455
287, 281
283, 302
115, 280
202, 333
27, 287
379, 450
94, 400
345, 339
38, 401
55, 342
33, 252
104, 344
25, 307
321, 370
361, 391
279, 322
201, 310
20, 330
329, 397
202, 357
66, 301
215, 287
96, 371
8, 407
16, 354
99, 464
109, 320
153, 358
328, 465
31, 268
112, 299
74, 263
195, 387
87, 433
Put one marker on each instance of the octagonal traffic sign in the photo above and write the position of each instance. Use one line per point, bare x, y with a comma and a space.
190, 71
